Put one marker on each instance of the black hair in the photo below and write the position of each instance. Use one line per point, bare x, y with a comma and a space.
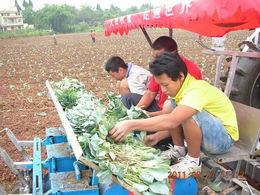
166, 43
114, 63
169, 63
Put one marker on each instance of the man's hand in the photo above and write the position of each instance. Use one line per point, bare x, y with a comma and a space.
157, 113
149, 113
151, 140
120, 130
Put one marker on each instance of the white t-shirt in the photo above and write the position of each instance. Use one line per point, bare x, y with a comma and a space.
138, 79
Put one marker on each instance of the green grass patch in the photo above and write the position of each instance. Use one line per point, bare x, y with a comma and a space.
28, 32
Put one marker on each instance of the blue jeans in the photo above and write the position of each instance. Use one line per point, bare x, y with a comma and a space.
215, 138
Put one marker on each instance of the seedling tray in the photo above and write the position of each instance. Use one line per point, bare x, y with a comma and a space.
72, 139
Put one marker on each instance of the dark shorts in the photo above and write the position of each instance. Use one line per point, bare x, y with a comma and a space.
132, 99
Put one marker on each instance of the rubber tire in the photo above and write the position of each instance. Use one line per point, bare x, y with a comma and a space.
246, 84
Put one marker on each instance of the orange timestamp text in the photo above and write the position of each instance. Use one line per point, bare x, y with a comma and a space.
208, 174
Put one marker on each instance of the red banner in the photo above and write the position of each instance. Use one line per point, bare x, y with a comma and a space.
212, 18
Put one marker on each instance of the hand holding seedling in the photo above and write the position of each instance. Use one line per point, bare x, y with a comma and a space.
120, 130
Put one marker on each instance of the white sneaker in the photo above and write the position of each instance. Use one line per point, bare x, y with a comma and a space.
185, 168
172, 153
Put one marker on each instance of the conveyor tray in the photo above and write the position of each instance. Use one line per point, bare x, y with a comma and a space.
67, 182
75, 144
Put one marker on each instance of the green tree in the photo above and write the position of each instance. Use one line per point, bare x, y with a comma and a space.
131, 10
86, 14
72, 9
41, 17
18, 7
98, 8
115, 10
25, 4
30, 3
66, 18
98, 15
146, 6
45, 18
109, 15
28, 15
62, 20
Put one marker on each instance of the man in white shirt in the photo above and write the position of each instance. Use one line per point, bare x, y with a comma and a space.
54, 39
131, 78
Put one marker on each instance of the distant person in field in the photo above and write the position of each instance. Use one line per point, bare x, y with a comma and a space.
93, 35
54, 39
131, 78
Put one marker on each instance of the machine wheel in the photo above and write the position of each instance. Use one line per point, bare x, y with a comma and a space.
246, 84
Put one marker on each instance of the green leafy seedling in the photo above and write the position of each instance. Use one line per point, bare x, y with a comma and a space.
216, 187
25, 148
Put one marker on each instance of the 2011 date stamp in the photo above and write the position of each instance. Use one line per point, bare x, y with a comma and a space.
208, 174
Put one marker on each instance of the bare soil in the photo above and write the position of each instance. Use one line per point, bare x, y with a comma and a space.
26, 64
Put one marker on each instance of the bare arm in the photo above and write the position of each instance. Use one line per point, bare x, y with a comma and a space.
152, 114
158, 123
147, 99
153, 139
123, 87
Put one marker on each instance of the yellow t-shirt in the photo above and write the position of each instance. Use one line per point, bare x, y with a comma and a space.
200, 95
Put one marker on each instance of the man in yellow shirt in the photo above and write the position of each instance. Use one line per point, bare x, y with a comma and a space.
200, 112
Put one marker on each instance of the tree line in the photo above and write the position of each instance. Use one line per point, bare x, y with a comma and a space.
65, 18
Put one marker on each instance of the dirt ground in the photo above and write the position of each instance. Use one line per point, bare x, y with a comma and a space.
26, 64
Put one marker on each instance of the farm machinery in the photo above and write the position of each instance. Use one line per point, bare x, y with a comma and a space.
67, 172
65, 169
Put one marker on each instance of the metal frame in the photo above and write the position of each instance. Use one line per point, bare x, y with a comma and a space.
2, 191
17, 144
16, 172
148, 37
253, 38
235, 55
37, 167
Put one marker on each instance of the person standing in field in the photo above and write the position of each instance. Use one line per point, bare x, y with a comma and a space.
93, 35
54, 38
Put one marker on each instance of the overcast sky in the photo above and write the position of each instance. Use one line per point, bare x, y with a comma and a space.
105, 4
